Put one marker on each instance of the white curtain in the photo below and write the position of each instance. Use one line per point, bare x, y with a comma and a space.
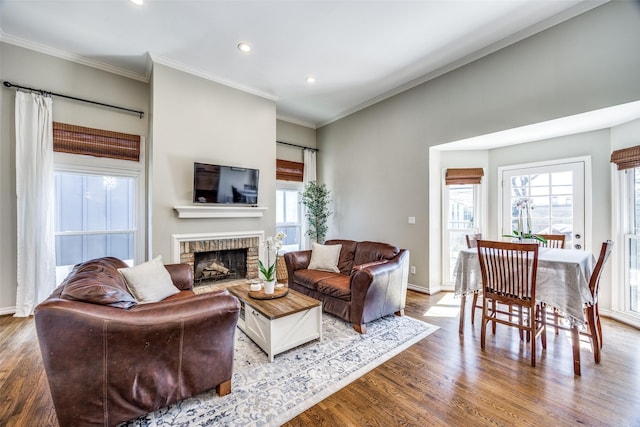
308, 175
35, 201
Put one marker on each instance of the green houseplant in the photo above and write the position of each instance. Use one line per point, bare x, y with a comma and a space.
316, 198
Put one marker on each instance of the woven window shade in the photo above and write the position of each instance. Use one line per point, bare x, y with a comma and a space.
626, 158
464, 176
95, 142
289, 171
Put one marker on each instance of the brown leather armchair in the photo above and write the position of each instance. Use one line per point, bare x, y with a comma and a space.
110, 360
372, 281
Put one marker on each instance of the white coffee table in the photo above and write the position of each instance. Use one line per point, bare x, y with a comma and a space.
277, 325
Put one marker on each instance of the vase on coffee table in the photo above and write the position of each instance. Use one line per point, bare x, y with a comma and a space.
269, 286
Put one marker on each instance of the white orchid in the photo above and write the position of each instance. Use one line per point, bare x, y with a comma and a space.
271, 244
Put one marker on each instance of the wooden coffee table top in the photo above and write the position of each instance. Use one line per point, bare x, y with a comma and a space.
291, 303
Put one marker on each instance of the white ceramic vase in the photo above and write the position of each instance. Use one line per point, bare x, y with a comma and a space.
269, 287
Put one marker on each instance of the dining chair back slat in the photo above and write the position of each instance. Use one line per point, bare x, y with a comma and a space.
552, 241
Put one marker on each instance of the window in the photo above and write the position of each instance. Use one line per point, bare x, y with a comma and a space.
631, 241
289, 214
462, 207
99, 196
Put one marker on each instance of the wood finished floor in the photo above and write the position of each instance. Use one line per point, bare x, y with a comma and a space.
444, 380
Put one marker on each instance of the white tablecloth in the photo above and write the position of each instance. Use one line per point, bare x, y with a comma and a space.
562, 281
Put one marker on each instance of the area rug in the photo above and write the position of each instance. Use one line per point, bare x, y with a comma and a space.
269, 394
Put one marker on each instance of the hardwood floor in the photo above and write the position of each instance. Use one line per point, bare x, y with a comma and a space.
444, 380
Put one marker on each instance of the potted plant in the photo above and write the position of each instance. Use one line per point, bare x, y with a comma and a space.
524, 205
316, 199
271, 244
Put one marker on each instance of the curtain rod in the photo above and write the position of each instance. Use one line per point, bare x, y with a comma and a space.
46, 92
297, 146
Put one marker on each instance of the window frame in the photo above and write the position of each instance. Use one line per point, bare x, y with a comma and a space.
480, 223
89, 165
622, 198
293, 186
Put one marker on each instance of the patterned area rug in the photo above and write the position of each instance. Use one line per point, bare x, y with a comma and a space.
269, 394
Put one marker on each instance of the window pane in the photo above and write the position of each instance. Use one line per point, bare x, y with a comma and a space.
87, 207
292, 207
279, 206
461, 206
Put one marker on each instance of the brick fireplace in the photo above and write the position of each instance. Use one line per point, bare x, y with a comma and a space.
219, 259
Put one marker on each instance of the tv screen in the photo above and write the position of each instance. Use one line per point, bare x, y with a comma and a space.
224, 184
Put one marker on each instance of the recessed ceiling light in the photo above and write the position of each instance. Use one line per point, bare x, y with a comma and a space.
310, 79
138, 2
243, 47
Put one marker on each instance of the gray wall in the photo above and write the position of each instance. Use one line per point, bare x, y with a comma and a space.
198, 120
293, 134
29, 68
376, 161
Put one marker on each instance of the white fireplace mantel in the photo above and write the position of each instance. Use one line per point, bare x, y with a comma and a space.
213, 211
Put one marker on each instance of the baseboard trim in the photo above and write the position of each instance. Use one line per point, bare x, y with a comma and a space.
7, 310
428, 291
621, 317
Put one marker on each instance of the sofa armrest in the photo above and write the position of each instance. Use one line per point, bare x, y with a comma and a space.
379, 288
132, 362
182, 276
298, 260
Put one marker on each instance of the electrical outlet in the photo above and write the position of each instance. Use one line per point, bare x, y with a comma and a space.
412, 269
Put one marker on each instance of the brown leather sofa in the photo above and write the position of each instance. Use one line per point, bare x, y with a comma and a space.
109, 359
372, 281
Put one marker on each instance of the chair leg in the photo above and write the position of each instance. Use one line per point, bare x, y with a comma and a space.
473, 307
463, 302
494, 324
531, 328
598, 324
593, 330
483, 331
575, 339
543, 325
224, 388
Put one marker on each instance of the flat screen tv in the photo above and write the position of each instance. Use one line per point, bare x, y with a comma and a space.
224, 184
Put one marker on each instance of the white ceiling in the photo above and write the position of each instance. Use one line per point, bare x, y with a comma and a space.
359, 51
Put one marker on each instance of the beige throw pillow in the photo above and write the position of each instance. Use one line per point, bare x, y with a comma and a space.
150, 281
325, 257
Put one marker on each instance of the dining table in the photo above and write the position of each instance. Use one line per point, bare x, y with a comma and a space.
562, 282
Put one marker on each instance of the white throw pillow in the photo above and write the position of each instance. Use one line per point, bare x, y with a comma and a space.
150, 281
325, 257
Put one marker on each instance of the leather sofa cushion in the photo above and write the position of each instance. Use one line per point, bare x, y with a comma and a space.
98, 282
336, 286
310, 278
374, 251
347, 254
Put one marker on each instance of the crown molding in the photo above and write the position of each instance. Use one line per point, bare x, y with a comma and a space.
295, 121
79, 59
494, 47
207, 76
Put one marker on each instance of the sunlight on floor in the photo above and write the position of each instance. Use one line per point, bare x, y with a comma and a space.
447, 306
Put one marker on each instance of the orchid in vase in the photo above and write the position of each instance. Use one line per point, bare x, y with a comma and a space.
271, 244
525, 206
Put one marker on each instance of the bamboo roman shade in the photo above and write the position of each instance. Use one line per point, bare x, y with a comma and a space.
95, 142
626, 158
289, 171
464, 176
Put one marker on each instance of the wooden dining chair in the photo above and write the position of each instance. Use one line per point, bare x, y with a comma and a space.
552, 241
509, 277
472, 239
593, 327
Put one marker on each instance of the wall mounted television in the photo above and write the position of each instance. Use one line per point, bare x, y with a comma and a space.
225, 184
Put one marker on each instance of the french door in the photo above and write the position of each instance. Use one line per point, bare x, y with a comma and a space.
557, 191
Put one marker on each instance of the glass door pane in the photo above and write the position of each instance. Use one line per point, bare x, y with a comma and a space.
557, 196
